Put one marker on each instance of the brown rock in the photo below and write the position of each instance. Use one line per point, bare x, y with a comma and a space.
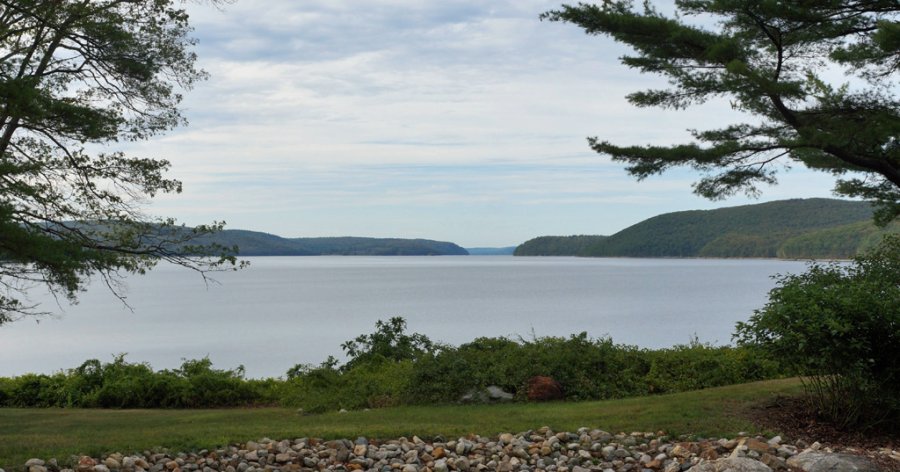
86, 463
776, 463
541, 389
681, 451
709, 454
654, 464
756, 445
438, 452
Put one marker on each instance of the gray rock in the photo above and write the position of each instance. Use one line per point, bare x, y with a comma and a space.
497, 393
31, 462
732, 464
491, 393
821, 462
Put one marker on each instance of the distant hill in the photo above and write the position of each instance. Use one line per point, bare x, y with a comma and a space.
557, 245
491, 251
253, 243
810, 228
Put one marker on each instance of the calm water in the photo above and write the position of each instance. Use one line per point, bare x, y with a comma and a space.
286, 310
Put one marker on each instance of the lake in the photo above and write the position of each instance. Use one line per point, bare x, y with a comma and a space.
287, 310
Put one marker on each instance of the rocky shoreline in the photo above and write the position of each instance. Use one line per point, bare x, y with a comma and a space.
541, 450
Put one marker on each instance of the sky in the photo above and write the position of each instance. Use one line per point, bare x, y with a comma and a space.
458, 120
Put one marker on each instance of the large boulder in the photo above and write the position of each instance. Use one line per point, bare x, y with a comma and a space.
491, 393
811, 461
541, 389
732, 464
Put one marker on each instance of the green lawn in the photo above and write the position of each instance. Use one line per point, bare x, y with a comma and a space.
59, 433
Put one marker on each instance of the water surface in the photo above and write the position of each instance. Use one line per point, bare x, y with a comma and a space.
287, 310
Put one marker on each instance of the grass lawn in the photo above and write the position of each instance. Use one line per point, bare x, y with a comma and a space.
59, 433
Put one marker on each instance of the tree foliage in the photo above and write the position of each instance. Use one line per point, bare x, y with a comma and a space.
76, 76
389, 342
839, 326
770, 59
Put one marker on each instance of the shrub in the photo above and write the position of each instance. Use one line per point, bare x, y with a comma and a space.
839, 326
389, 341
697, 365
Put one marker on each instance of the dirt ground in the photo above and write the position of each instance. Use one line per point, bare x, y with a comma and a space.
797, 421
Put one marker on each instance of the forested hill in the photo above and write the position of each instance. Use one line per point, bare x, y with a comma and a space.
810, 228
253, 243
557, 245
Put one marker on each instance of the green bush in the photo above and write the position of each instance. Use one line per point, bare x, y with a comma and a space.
391, 367
373, 384
839, 326
696, 366
120, 384
388, 342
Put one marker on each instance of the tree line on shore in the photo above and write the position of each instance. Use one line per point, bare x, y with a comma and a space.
815, 228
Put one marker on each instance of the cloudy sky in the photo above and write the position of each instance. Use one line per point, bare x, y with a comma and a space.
459, 120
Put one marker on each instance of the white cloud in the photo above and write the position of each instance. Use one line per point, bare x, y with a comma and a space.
319, 111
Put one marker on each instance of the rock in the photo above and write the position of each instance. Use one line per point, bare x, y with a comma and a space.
282, 458
755, 445
440, 466
679, 451
112, 463
410, 468
85, 463
101, 468
732, 464
506, 438
774, 462
342, 410
822, 462
541, 388
360, 450
31, 462
498, 394
491, 393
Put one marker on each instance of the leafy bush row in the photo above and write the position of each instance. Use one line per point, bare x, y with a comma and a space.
120, 384
390, 367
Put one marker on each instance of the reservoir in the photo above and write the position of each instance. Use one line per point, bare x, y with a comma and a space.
282, 311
